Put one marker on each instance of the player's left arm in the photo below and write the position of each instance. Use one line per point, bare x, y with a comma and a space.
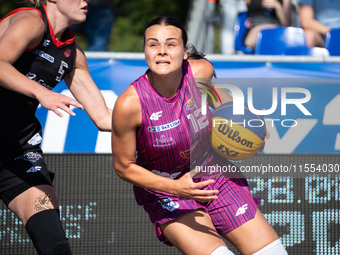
203, 72
87, 93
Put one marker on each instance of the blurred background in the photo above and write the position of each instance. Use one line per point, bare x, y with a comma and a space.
129, 21
213, 26
98, 210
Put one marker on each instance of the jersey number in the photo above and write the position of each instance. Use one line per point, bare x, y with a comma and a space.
201, 123
61, 71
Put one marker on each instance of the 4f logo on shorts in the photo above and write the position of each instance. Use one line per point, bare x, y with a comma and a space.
168, 204
34, 169
242, 209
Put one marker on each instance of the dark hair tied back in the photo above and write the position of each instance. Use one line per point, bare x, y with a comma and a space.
168, 21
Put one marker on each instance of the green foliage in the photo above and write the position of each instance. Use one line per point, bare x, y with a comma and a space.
132, 16
123, 39
6, 6
141, 12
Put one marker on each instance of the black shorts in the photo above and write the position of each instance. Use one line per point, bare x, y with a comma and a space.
21, 171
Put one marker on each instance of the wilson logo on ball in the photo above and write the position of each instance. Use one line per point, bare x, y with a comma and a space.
236, 136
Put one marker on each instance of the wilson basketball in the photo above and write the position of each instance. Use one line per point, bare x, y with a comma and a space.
236, 137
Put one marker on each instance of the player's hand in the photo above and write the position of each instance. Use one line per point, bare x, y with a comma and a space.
54, 101
188, 189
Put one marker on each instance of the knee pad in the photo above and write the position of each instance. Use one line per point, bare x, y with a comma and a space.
222, 250
275, 247
47, 234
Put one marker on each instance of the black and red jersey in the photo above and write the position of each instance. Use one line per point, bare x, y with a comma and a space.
47, 64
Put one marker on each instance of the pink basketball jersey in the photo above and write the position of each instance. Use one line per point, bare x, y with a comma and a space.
173, 136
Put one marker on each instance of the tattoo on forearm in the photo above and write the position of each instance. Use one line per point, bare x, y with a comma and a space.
43, 202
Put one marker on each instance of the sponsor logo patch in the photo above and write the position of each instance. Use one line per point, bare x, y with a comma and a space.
164, 127
67, 53
190, 104
30, 156
163, 142
36, 139
44, 55
165, 174
168, 204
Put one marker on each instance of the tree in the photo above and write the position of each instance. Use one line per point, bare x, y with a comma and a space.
6, 6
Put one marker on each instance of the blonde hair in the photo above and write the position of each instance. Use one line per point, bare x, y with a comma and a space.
35, 3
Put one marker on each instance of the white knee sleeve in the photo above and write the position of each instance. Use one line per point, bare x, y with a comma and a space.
222, 250
275, 247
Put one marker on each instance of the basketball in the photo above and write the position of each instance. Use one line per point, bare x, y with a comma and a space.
236, 137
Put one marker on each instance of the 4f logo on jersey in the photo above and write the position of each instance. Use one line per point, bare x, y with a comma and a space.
156, 115
242, 209
46, 42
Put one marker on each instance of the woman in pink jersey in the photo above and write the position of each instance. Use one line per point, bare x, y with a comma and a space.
160, 116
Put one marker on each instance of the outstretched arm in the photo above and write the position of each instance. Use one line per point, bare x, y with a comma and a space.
125, 120
87, 93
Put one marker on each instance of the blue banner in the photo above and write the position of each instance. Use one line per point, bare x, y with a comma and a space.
292, 132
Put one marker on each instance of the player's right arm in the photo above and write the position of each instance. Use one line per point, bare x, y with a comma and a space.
18, 32
126, 119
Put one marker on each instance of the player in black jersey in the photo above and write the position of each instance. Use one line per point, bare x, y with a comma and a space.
38, 50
